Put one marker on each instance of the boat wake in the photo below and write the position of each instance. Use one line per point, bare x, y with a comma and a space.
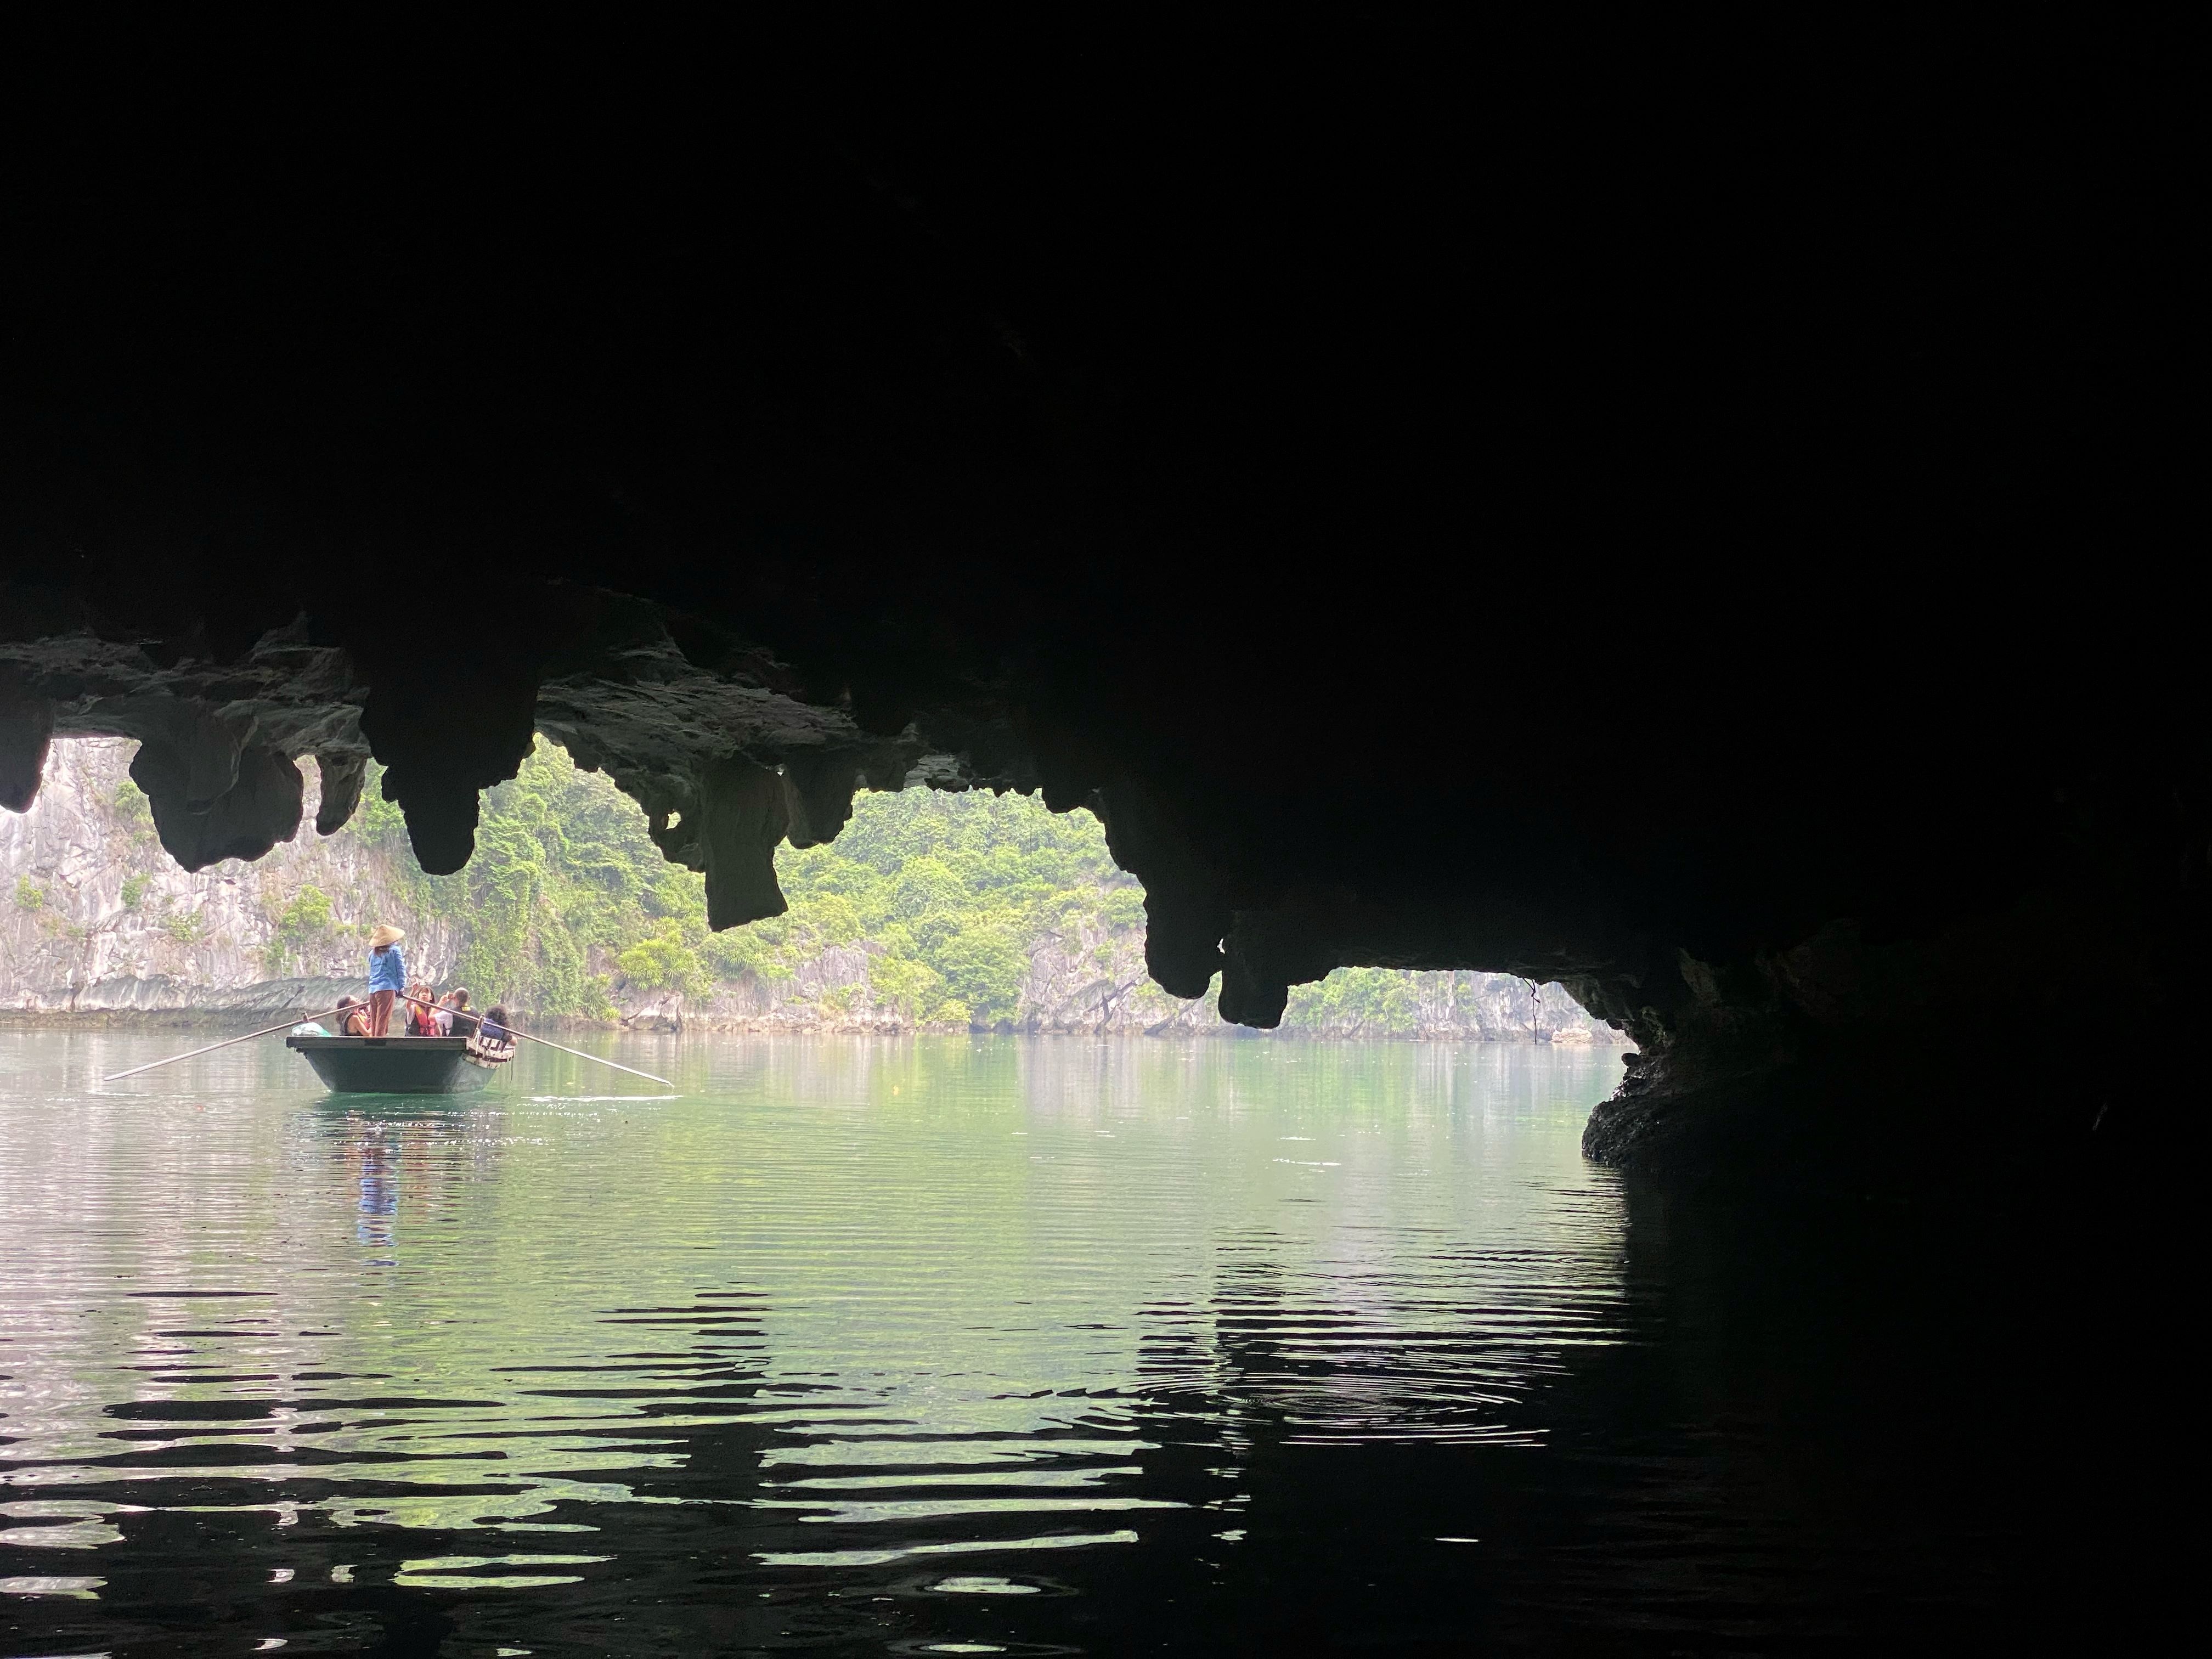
547, 1100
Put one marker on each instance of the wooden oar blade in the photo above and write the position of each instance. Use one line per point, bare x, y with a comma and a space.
666, 1083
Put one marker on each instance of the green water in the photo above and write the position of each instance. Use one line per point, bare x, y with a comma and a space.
1010, 1346
952, 1315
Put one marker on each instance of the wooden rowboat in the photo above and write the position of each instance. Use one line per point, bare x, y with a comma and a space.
396, 1065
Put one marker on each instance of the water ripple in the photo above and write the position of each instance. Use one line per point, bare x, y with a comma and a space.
1041, 1303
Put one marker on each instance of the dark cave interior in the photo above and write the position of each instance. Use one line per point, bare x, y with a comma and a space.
1238, 487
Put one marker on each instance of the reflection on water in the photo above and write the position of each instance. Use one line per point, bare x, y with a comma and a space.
939, 1346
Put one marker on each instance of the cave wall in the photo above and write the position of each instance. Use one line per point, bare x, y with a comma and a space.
1220, 476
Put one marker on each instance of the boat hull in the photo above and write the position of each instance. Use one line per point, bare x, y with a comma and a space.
392, 1065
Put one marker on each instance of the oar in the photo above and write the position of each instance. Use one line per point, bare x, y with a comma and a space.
580, 1054
664, 1082
296, 1019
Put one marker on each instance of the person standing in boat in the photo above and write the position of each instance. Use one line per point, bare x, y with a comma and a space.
387, 977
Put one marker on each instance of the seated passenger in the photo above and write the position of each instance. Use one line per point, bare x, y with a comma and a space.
492, 1043
353, 1016
421, 1013
453, 1013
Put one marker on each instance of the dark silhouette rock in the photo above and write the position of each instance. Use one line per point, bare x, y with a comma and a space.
343, 777
818, 793
187, 757
743, 812
1634, 571
27, 726
258, 808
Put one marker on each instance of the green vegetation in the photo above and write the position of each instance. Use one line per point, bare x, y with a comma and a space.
29, 896
944, 894
1356, 1002
133, 811
662, 962
950, 892
301, 927
562, 864
134, 889
185, 927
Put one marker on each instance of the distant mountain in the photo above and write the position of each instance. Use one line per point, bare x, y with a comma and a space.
931, 911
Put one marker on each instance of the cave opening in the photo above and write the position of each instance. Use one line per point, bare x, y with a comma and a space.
1705, 543
929, 911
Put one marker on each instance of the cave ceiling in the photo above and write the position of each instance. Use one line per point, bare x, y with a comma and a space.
1724, 576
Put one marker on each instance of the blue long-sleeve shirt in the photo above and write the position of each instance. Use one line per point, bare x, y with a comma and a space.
386, 971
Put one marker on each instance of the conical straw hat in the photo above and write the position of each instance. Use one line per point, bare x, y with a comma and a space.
385, 935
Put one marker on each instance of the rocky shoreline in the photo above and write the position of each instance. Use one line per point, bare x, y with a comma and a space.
250, 1006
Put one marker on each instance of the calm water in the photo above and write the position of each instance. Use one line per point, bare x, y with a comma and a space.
952, 1347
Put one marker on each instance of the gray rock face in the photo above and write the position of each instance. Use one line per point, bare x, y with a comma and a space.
93, 918
159, 995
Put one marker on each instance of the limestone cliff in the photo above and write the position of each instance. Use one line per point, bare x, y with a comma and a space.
1093, 981
95, 917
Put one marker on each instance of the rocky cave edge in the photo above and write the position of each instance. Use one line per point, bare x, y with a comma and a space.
1009, 468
